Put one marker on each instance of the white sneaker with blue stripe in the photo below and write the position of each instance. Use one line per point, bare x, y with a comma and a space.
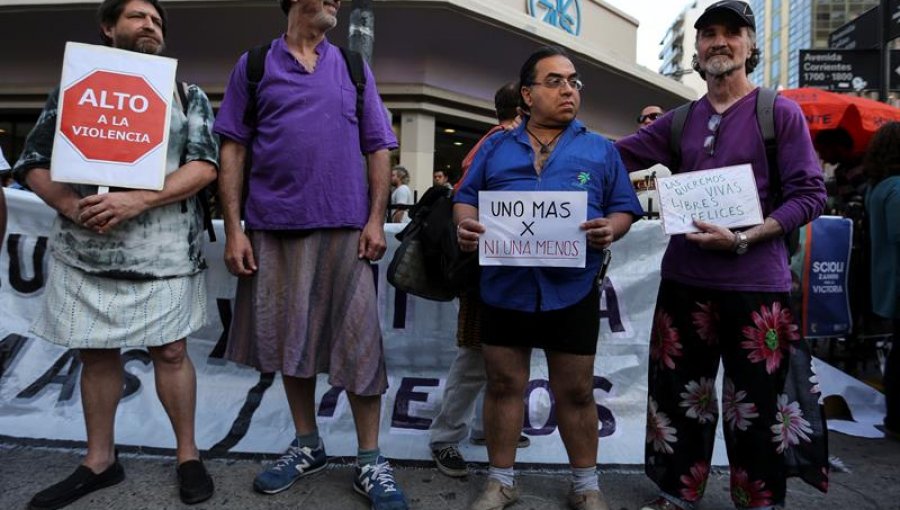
376, 482
297, 462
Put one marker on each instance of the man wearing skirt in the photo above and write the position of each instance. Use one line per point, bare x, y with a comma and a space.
314, 218
127, 271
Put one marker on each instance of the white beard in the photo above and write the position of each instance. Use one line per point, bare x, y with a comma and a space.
325, 21
720, 65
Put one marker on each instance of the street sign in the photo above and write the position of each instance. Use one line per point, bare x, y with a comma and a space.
858, 34
840, 70
113, 117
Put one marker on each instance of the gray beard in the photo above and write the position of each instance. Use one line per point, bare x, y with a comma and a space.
718, 67
325, 21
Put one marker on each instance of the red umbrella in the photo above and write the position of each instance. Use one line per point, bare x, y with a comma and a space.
861, 117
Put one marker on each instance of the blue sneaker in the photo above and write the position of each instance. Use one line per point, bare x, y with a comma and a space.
376, 482
297, 462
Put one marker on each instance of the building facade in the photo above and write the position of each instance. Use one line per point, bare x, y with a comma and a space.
437, 62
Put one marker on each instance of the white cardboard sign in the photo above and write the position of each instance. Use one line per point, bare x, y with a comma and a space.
112, 126
723, 196
532, 228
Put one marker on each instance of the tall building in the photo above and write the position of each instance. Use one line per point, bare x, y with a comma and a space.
784, 27
678, 47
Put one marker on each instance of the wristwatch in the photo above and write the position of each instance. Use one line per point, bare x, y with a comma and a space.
741, 243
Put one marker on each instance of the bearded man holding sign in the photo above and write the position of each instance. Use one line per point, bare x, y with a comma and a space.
551, 308
724, 295
127, 271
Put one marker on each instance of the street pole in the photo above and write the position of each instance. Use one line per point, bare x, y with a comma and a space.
885, 50
362, 29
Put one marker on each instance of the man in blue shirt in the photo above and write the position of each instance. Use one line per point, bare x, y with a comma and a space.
555, 309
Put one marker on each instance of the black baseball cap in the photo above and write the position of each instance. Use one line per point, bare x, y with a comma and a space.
738, 10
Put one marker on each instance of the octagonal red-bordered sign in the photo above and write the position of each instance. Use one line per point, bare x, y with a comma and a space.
112, 117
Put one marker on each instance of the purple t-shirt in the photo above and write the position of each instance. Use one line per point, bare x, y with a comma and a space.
738, 140
307, 168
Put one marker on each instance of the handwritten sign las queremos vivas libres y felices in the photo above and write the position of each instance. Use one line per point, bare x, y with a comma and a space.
535, 228
113, 118
723, 196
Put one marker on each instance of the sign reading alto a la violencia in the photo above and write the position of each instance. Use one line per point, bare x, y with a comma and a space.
723, 196
532, 228
113, 118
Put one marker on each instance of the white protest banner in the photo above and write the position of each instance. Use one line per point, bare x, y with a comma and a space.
240, 410
723, 196
112, 127
532, 228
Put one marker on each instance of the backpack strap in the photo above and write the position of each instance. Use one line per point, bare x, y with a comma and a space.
765, 117
679, 117
256, 68
356, 68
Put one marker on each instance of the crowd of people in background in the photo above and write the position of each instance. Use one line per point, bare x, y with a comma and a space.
306, 302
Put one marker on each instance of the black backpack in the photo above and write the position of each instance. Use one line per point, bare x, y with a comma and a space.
765, 117
206, 194
428, 262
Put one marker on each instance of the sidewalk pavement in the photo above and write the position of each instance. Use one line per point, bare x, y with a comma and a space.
872, 483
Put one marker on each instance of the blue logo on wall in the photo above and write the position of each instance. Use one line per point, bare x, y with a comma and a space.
565, 14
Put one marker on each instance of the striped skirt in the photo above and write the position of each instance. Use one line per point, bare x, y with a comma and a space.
310, 309
84, 311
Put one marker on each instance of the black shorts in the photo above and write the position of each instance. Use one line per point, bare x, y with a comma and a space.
572, 330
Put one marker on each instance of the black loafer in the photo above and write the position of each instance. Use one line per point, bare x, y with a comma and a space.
83, 481
195, 484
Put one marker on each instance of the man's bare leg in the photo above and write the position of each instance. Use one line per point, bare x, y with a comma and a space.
507, 371
101, 389
176, 386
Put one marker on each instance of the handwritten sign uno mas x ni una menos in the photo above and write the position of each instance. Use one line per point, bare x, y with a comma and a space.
532, 229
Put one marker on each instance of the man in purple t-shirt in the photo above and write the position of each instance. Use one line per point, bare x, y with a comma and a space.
724, 294
314, 218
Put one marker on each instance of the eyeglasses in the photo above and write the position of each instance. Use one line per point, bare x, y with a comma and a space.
649, 116
555, 82
709, 143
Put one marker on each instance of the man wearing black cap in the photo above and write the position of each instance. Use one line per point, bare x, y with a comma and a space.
724, 295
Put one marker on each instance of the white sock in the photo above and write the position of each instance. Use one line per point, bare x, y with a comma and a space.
584, 479
506, 476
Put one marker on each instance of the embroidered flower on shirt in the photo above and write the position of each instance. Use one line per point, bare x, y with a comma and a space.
706, 319
768, 340
746, 493
664, 344
695, 482
659, 432
737, 413
790, 426
700, 400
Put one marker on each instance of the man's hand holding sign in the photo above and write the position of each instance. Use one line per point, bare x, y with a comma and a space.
705, 205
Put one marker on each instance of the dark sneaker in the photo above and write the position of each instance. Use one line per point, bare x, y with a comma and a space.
83, 481
523, 442
376, 482
297, 462
449, 461
194, 483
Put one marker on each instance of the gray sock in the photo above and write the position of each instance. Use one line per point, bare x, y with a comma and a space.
310, 440
506, 476
584, 479
364, 457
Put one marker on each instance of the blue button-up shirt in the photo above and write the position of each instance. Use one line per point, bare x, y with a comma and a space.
581, 161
